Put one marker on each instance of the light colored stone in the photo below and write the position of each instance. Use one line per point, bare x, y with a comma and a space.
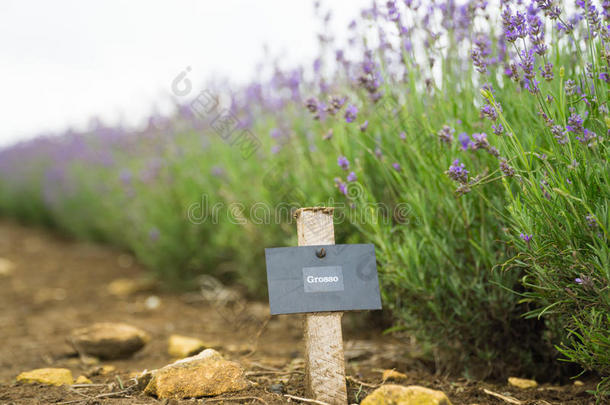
578, 383
400, 395
152, 302
393, 375
109, 340
123, 287
83, 380
89, 360
179, 346
107, 369
205, 374
522, 383
48, 376
6, 267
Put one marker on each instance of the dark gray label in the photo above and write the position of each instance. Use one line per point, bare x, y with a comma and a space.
323, 279
343, 279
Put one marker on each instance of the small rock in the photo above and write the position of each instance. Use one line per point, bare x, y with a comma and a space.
578, 383
100, 370
107, 369
179, 346
277, 388
83, 380
152, 302
399, 395
393, 375
205, 374
109, 340
48, 376
123, 287
522, 383
89, 360
6, 267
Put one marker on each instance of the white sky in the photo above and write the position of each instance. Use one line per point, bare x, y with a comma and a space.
65, 61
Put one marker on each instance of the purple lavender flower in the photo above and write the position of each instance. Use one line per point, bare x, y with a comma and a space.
446, 134
506, 169
341, 186
549, 8
364, 126
403, 136
498, 129
514, 26
578, 280
488, 111
457, 172
312, 105
526, 238
396, 166
352, 177
464, 140
351, 113
565, 27
591, 221
575, 123
531, 85
527, 64
547, 72
570, 87
322, 110
588, 138
480, 141
479, 62
337, 102
560, 134
343, 162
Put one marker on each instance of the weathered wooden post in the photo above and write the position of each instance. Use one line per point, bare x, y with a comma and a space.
324, 361
322, 280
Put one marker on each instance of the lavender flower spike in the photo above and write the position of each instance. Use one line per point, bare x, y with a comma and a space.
446, 134
526, 238
351, 112
457, 172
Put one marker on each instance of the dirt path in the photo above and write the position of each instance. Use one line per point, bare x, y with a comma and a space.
58, 285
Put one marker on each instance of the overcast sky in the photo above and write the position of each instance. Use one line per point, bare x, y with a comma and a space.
65, 61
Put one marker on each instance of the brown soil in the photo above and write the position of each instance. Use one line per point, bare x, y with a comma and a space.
59, 285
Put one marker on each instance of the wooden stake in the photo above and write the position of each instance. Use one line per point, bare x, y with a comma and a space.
324, 361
